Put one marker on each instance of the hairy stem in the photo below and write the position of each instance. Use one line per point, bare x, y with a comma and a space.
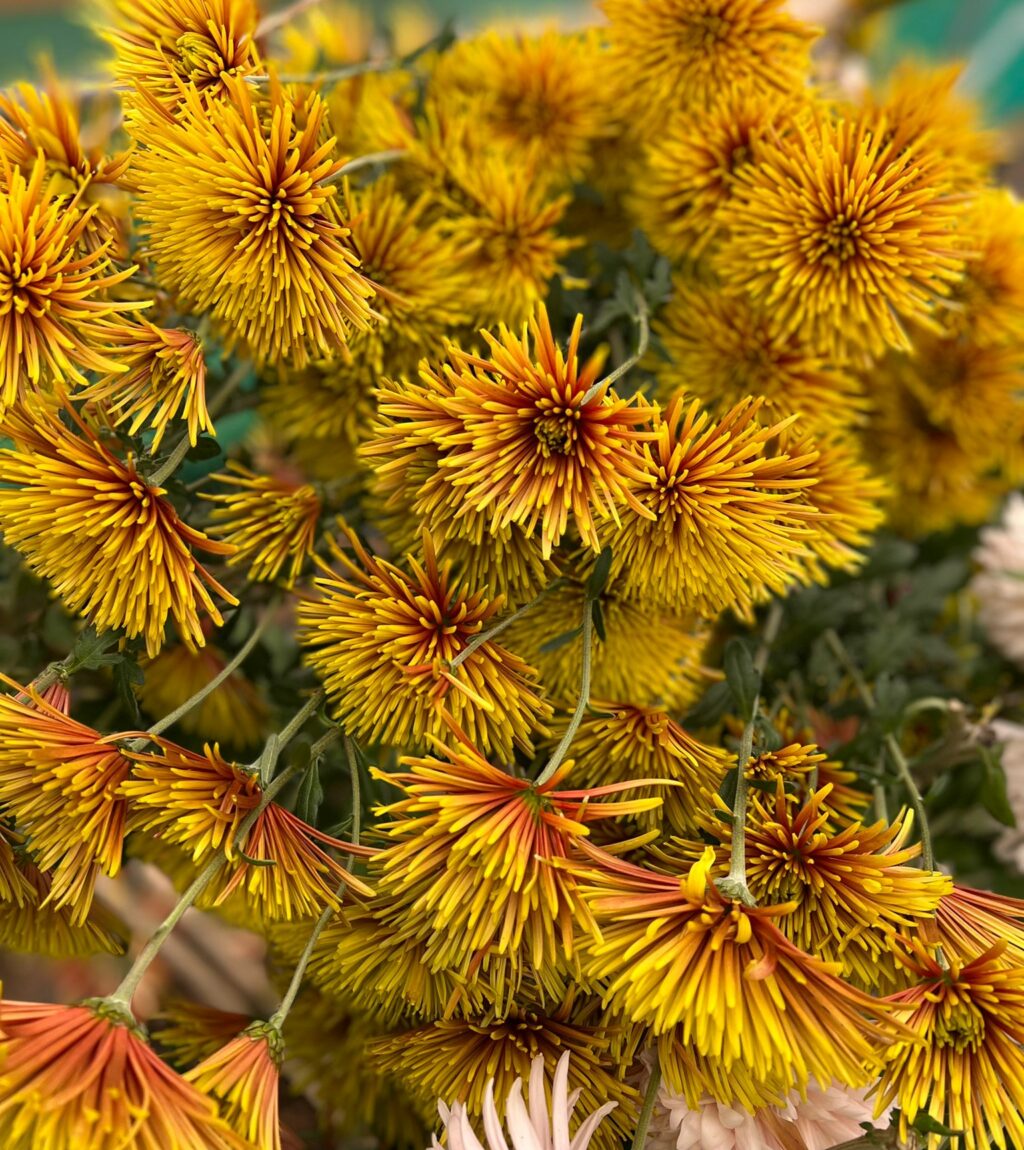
577, 717
299, 973
647, 1109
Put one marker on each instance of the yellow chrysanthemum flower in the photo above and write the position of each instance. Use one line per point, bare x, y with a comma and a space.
690, 166
530, 435
724, 522
455, 1060
240, 220
474, 859
235, 713
161, 376
673, 54
61, 782
647, 656
622, 741
846, 268
45, 122
53, 288
969, 922
722, 348
925, 103
944, 467
36, 926
112, 546
963, 1062
721, 981
198, 802
499, 211
244, 1077
81, 1076
417, 271
987, 308
163, 46
539, 98
851, 887
326, 403
267, 522
383, 642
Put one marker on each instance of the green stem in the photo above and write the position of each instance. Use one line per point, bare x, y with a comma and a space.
277, 20
916, 800
577, 717
735, 886
486, 636
643, 339
892, 747
647, 1109
125, 992
300, 719
332, 76
299, 973
371, 158
215, 682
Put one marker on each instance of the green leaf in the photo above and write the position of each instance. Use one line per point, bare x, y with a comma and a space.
91, 649
597, 611
926, 1124
993, 791
599, 576
311, 795
127, 675
206, 448
560, 641
741, 676
710, 708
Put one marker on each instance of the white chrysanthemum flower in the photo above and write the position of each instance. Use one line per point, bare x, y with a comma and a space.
825, 1118
999, 585
531, 1125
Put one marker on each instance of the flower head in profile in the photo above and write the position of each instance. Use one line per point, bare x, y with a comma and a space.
723, 522
532, 1121
722, 348
111, 545
963, 1061
676, 54
849, 270
241, 222
54, 291
199, 803
852, 888
719, 981
165, 45
383, 642
244, 1077
188, 1032
620, 741
970, 921
268, 522
61, 782
161, 377
537, 439
81, 1076
475, 1065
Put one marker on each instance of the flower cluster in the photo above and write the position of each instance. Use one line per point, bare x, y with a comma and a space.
579, 438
